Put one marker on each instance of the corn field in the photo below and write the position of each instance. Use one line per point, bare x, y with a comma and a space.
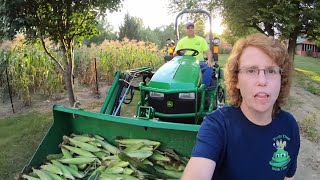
112, 56
31, 72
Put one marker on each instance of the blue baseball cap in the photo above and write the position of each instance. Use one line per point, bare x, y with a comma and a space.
189, 24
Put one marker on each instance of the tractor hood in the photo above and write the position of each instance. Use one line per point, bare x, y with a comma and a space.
182, 72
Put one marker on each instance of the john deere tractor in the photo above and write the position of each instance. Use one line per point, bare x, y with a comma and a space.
172, 104
174, 92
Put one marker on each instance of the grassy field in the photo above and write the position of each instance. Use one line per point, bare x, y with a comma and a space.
19, 137
21, 134
308, 73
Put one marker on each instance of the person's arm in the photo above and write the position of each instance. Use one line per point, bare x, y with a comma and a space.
199, 168
209, 56
178, 47
175, 53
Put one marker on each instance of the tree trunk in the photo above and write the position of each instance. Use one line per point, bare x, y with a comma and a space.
67, 47
69, 73
292, 45
69, 86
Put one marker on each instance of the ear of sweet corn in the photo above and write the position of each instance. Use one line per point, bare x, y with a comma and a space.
135, 141
140, 154
75, 173
171, 174
159, 157
79, 151
83, 145
66, 172
51, 168
29, 177
108, 146
53, 176
66, 154
83, 138
78, 160
42, 175
114, 170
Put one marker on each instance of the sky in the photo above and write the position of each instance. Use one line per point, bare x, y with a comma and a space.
154, 14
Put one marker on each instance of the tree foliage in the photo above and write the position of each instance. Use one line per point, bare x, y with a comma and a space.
158, 35
286, 19
64, 22
105, 32
131, 27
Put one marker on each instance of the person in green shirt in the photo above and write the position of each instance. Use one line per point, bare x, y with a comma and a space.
192, 41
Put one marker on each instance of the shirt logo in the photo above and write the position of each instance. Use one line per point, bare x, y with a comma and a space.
280, 158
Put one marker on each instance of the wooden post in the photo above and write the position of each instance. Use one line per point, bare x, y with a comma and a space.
8, 83
95, 68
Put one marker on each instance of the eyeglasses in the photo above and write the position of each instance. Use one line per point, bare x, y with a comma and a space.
269, 72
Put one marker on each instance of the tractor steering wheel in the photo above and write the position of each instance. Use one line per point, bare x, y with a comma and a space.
195, 52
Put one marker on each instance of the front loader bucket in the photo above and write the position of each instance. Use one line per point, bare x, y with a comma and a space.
180, 137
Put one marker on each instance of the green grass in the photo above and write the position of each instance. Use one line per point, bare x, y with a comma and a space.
307, 64
223, 59
292, 101
20, 136
307, 73
308, 130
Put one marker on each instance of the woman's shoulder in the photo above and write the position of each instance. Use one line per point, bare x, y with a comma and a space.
223, 113
287, 118
224, 110
286, 115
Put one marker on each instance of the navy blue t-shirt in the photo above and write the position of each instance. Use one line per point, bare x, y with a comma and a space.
246, 151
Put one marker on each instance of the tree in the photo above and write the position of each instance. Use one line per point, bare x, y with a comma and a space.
231, 36
105, 31
200, 28
159, 35
286, 19
163, 33
131, 28
66, 23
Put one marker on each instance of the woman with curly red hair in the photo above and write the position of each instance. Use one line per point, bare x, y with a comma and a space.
252, 137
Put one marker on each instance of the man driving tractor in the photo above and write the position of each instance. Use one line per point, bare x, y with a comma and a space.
192, 41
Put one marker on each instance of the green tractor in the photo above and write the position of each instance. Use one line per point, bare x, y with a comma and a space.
174, 92
172, 104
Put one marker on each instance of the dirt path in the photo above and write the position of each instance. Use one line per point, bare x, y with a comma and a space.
306, 105
302, 105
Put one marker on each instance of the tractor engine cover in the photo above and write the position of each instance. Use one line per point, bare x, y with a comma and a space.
175, 83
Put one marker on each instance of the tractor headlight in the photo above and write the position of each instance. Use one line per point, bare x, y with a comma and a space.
186, 95
156, 95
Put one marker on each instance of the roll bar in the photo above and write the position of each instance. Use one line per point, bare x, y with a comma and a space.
176, 32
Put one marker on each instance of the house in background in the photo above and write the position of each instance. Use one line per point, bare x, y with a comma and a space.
307, 48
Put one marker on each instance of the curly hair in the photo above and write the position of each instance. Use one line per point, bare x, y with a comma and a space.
275, 50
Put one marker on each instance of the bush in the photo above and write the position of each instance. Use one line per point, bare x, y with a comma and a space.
224, 51
309, 52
